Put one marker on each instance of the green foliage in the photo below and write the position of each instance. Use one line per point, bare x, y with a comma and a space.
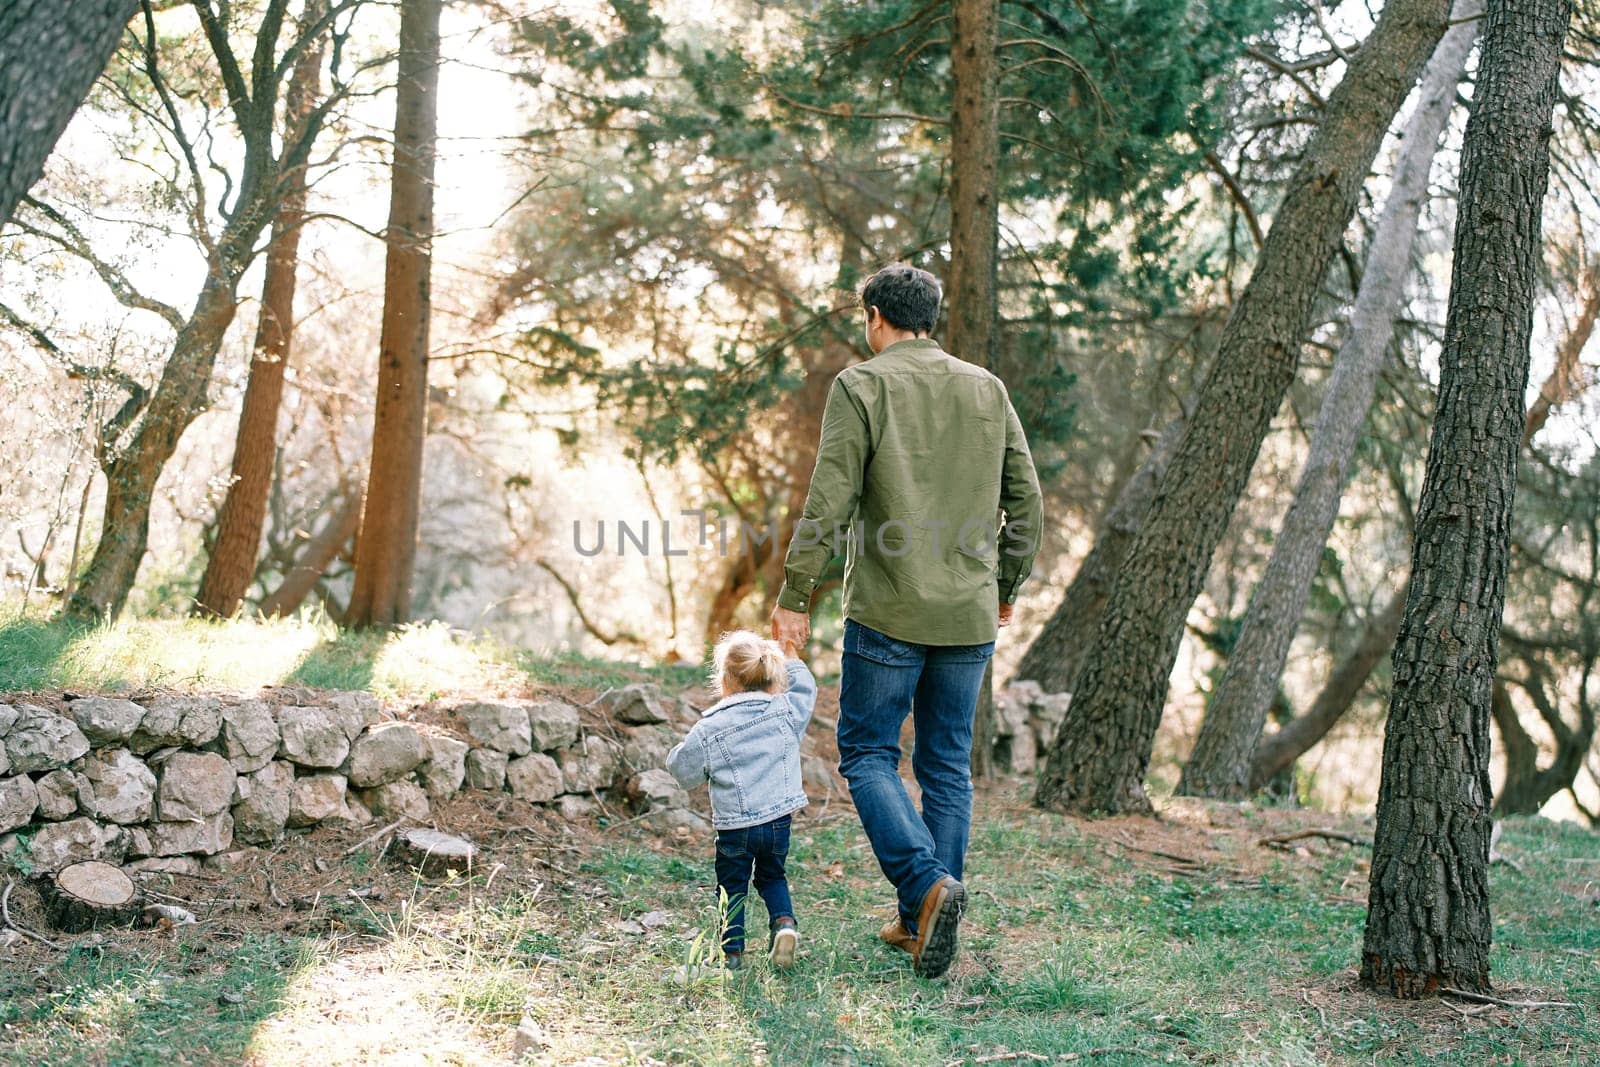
747, 175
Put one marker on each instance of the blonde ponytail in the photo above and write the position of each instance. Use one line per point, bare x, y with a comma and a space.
745, 662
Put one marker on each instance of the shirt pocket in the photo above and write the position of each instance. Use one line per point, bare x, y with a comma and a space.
868, 643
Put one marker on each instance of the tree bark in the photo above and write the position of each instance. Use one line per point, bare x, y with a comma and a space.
973, 300
386, 547
50, 55
1098, 760
1237, 711
232, 562
1056, 654
1428, 905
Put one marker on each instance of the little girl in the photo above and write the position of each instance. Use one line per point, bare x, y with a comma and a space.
747, 745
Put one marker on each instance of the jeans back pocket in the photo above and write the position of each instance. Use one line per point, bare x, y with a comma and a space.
868, 643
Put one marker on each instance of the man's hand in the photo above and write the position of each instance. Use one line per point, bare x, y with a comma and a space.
790, 627
1005, 614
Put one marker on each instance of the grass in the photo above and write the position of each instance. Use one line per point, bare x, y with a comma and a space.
1074, 948
412, 663
1079, 948
181, 1004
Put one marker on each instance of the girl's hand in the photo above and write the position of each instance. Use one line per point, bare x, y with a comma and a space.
790, 650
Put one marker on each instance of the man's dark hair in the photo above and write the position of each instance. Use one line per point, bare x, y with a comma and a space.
907, 297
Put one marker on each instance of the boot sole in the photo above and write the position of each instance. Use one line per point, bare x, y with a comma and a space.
943, 935
784, 944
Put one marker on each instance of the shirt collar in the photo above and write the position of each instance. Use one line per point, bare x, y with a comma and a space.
911, 344
736, 698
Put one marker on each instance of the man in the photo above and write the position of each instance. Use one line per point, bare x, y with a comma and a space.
921, 458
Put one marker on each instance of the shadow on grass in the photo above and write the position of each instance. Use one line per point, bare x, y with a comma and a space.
33, 651
345, 661
115, 1006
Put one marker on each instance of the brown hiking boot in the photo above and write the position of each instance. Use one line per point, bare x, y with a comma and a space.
938, 928
895, 935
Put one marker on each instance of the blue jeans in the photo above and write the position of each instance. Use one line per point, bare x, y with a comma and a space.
884, 679
754, 849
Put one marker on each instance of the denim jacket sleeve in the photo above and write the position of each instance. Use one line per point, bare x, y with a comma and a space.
687, 762
802, 696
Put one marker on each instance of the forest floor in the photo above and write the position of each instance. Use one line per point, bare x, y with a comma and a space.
1190, 938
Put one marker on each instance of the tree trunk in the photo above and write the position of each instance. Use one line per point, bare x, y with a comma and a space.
1276, 752
1528, 786
1099, 757
973, 301
132, 473
1055, 655
1566, 379
133, 470
232, 562
50, 55
1428, 905
314, 560
386, 547
1220, 763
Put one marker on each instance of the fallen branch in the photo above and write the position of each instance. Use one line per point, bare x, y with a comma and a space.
1300, 835
1484, 998
1186, 860
1468, 1013
370, 838
5, 913
1002, 1057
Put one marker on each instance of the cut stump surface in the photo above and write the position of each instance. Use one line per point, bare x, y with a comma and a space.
82, 896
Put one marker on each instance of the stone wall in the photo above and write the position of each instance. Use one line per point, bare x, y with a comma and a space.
166, 782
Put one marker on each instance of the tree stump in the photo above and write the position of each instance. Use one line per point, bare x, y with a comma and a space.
434, 853
83, 896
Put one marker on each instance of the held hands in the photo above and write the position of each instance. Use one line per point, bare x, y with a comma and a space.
1005, 614
790, 629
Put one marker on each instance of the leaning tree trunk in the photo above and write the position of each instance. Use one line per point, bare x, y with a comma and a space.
132, 472
1099, 757
50, 55
1277, 752
315, 557
973, 299
1055, 655
1428, 904
386, 547
232, 562
1528, 786
133, 468
1220, 763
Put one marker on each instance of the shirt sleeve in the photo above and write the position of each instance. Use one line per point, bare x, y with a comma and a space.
802, 695
1022, 507
687, 762
832, 498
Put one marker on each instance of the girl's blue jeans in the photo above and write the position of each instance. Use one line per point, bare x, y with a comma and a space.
754, 850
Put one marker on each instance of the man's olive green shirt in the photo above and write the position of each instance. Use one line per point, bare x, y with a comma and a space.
924, 481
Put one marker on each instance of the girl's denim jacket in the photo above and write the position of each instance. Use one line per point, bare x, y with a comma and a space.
748, 747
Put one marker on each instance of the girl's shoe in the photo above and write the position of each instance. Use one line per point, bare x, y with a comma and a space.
785, 940
734, 961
